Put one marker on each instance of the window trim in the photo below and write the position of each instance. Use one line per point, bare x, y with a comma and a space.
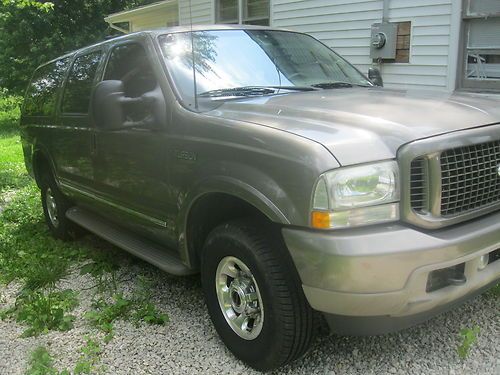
241, 14
463, 82
110, 50
95, 80
58, 94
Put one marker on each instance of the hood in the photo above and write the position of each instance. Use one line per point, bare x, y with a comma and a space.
365, 124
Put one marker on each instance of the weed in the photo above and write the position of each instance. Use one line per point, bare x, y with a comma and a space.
41, 363
145, 311
469, 338
43, 311
137, 309
106, 313
103, 268
87, 363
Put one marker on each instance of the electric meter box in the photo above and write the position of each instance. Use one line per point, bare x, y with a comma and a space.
383, 40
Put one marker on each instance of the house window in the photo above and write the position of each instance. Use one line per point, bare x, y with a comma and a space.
249, 12
481, 45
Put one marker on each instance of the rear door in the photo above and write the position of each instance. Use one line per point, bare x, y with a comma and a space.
74, 142
38, 121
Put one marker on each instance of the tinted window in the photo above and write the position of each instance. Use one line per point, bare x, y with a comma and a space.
129, 63
79, 85
41, 96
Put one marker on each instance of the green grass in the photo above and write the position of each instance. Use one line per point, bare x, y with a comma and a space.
12, 171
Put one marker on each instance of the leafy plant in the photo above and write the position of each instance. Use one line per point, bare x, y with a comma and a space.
106, 313
41, 363
87, 362
43, 311
136, 309
103, 268
469, 338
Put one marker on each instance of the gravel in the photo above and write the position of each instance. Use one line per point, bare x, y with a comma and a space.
188, 344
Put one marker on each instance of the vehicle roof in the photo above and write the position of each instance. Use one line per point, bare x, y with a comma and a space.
165, 30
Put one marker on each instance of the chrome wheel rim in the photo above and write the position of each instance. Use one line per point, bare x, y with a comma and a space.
51, 207
239, 298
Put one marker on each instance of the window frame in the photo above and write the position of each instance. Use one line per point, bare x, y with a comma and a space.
242, 18
96, 79
123, 43
463, 82
58, 91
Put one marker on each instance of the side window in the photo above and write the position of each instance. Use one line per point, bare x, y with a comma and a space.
129, 63
76, 97
42, 92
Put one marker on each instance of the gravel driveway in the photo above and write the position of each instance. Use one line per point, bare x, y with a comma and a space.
188, 344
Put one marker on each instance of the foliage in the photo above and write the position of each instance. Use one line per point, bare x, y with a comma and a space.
43, 311
34, 34
103, 269
137, 309
41, 363
468, 338
87, 363
21, 4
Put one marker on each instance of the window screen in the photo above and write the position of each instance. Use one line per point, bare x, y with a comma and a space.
42, 92
482, 45
79, 85
227, 11
256, 12
252, 12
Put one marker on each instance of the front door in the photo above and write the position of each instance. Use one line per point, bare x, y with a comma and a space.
131, 172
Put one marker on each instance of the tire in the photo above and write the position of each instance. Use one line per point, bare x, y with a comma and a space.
283, 332
55, 205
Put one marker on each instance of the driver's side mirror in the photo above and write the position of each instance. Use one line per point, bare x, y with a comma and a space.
110, 105
107, 104
375, 76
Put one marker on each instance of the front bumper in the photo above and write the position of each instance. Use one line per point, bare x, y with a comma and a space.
382, 271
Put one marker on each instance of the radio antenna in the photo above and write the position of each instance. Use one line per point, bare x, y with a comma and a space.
193, 58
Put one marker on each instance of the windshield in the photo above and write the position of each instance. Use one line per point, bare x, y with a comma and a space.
252, 61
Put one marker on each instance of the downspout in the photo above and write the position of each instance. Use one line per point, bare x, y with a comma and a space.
113, 26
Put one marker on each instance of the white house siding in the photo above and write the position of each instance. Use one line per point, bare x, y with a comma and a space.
202, 11
163, 18
345, 26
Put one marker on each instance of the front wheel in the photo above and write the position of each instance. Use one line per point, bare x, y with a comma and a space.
254, 296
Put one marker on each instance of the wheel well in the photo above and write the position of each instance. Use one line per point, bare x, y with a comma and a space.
210, 211
40, 164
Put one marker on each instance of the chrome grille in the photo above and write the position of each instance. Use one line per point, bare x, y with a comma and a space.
469, 178
418, 185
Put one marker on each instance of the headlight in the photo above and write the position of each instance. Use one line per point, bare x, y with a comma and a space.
353, 196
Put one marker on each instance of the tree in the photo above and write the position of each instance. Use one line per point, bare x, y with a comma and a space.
33, 32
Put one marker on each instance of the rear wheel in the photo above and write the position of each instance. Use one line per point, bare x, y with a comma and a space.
55, 205
254, 296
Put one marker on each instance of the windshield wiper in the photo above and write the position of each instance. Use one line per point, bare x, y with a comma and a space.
336, 85
252, 90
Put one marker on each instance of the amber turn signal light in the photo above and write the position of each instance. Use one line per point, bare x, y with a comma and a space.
320, 219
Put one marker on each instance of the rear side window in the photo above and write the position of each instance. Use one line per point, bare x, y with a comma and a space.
76, 97
41, 96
